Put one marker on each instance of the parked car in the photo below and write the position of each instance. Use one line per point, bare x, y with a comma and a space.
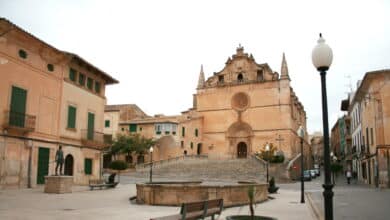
313, 174
306, 175
317, 171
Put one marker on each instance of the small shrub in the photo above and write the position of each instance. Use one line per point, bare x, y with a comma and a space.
118, 165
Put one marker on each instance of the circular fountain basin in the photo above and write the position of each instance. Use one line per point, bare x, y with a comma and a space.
176, 193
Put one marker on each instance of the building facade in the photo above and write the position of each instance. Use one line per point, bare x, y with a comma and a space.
317, 145
48, 98
372, 102
236, 112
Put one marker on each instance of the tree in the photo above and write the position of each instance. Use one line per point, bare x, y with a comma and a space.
119, 144
129, 143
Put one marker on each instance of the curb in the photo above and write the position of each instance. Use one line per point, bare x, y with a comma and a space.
317, 213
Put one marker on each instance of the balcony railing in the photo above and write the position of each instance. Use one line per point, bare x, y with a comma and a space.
92, 139
19, 121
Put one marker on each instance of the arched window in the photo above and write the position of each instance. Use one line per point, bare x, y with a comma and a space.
240, 77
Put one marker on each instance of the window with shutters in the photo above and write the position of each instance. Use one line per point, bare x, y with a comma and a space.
71, 117
18, 107
97, 87
183, 131
196, 132
88, 166
72, 75
133, 127
89, 83
82, 79
107, 123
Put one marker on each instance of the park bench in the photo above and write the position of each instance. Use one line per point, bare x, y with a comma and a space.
103, 184
196, 210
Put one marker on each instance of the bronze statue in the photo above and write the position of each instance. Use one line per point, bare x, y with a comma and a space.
59, 160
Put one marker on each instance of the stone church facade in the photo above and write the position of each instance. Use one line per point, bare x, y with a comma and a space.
235, 113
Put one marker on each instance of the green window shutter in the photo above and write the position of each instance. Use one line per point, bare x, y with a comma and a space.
183, 131
97, 87
107, 123
196, 132
133, 127
18, 107
88, 166
72, 74
89, 83
71, 117
82, 79
91, 125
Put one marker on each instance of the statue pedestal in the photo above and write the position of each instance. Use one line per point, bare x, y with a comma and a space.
58, 184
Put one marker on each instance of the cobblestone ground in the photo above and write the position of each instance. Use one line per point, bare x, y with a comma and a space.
350, 202
31, 204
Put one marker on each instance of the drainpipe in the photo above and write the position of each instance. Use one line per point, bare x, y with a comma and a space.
3, 162
29, 144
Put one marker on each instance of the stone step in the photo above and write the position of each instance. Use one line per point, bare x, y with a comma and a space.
208, 169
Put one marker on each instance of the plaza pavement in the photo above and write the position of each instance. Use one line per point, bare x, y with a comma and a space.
26, 204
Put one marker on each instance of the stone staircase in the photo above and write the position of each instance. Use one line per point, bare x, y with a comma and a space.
210, 170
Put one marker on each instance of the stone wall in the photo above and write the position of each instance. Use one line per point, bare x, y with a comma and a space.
176, 194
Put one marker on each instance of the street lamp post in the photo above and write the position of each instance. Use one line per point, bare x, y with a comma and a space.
301, 134
322, 59
151, 164
267, 148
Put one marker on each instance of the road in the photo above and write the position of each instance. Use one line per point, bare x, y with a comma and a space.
350, 202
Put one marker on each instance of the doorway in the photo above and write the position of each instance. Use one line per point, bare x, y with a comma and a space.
68, 165
43, 164
241, 150
199, 149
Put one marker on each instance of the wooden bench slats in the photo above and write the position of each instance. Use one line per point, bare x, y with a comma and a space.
196, 210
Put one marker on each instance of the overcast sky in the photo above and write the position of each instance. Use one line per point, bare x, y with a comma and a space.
155, 48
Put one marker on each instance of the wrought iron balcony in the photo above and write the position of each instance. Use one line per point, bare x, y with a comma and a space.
19, 121
92, 139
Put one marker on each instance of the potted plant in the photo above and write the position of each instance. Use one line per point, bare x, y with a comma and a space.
252, 216
272, 188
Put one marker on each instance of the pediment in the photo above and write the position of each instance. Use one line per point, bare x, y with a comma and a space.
241, 68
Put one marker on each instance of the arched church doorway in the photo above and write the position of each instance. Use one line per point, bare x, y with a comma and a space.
241, 150
199, 149
68, 171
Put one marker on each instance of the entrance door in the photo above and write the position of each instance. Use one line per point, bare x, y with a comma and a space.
18, 107
107, 158
241, 150
91, 125
43, 164
68, 165
199, 149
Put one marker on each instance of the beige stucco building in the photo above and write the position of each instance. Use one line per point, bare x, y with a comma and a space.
235, 113
48, 98
373, 118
